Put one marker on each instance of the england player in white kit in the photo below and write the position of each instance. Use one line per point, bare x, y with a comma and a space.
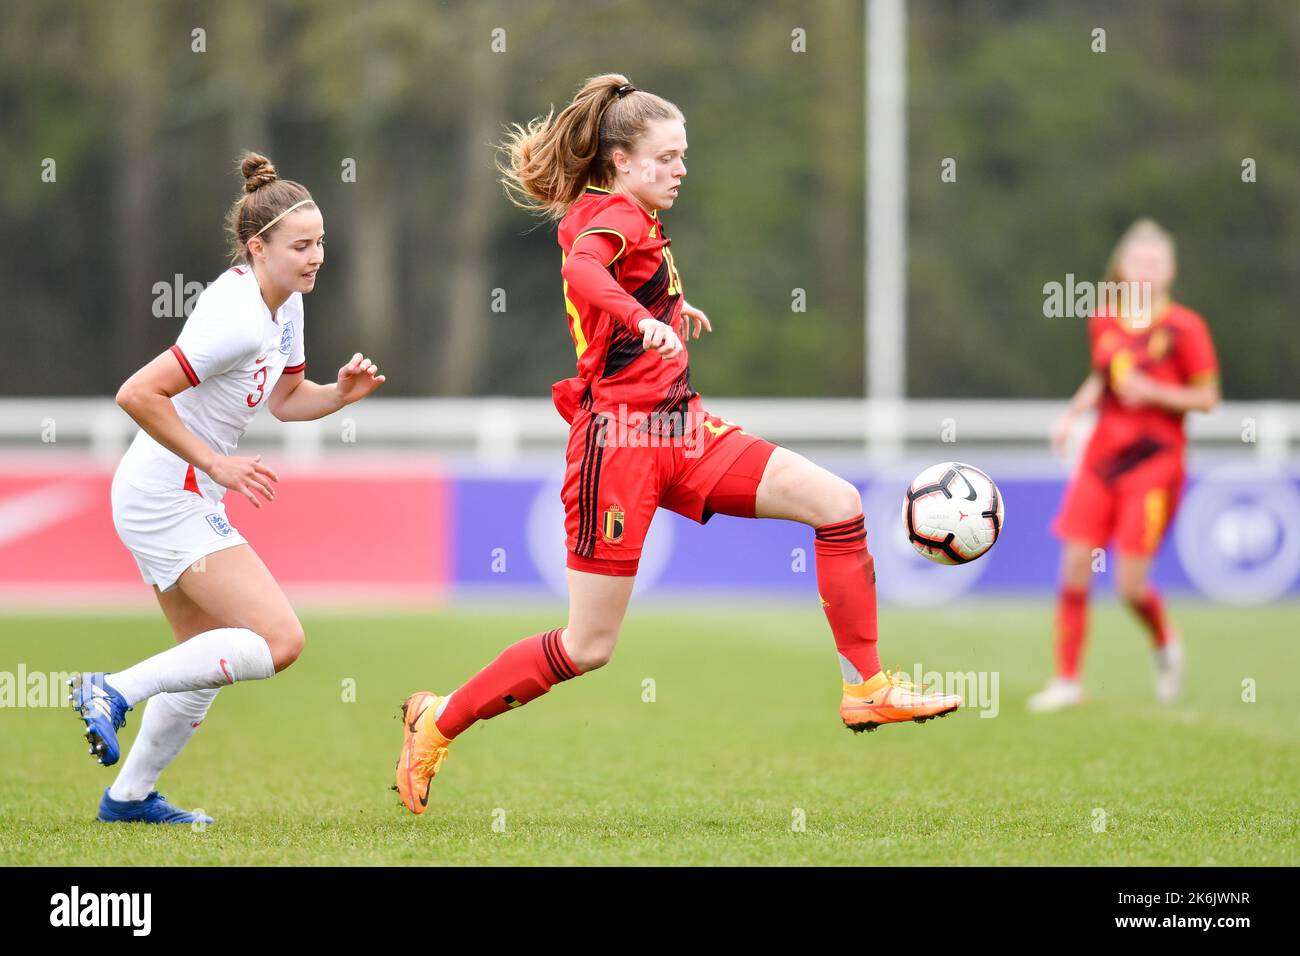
240, 350
233, 352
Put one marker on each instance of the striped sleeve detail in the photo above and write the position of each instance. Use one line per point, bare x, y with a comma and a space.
295, 369
186, 367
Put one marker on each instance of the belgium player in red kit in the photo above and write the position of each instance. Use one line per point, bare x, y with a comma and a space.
606, 167
1152, 362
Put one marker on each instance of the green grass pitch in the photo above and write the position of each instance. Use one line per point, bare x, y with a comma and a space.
739, 759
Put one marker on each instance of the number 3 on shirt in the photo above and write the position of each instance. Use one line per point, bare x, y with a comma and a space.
252, 402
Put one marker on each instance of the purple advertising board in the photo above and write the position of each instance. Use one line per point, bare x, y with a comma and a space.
1236, 538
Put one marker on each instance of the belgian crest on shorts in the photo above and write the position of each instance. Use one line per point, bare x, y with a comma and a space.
612, 526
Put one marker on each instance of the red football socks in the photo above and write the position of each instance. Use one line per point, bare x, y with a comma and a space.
1071, 624
522, 672
846, 583
1152, 612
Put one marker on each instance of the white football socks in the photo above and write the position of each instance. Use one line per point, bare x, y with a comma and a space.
169, 722
214, 658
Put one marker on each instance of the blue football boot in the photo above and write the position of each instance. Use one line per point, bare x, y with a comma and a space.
152, 809
104, 711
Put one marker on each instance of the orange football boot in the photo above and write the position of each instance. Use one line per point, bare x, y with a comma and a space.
886, 699
423, 750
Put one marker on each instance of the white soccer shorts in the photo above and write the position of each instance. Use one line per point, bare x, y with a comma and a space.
169, 531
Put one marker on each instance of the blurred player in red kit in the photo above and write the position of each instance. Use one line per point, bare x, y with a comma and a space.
1152, 362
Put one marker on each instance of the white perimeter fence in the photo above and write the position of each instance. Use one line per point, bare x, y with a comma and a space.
502, 434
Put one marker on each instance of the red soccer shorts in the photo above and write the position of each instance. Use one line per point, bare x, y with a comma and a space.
617, 476
1135, 509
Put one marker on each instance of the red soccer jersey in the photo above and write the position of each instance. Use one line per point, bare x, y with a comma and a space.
1176, 349
613, 367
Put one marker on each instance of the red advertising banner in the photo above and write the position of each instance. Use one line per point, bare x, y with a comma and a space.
374, 529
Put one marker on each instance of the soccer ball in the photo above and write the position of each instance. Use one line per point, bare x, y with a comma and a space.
952, 513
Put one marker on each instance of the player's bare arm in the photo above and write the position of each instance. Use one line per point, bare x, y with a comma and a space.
1085, 399
1137, 388
295, 399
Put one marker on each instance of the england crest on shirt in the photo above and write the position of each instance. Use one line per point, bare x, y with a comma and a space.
286, 338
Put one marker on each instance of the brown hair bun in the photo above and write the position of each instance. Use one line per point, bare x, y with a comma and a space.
258, 172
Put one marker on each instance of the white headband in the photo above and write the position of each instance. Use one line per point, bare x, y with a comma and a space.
301, 202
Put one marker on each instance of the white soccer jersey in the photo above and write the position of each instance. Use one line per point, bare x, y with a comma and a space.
233, 351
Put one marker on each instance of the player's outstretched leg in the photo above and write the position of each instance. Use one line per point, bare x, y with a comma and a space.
234, 586
796, 489
522, 672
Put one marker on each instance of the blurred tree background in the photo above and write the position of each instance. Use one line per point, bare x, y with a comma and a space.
1057, 149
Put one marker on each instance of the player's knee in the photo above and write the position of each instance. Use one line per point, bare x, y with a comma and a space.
849, 499
1076, 569
286, 642
1131, 589
594, 659
594, 656
1078, 583
840, 502
592, 649
1077, 576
